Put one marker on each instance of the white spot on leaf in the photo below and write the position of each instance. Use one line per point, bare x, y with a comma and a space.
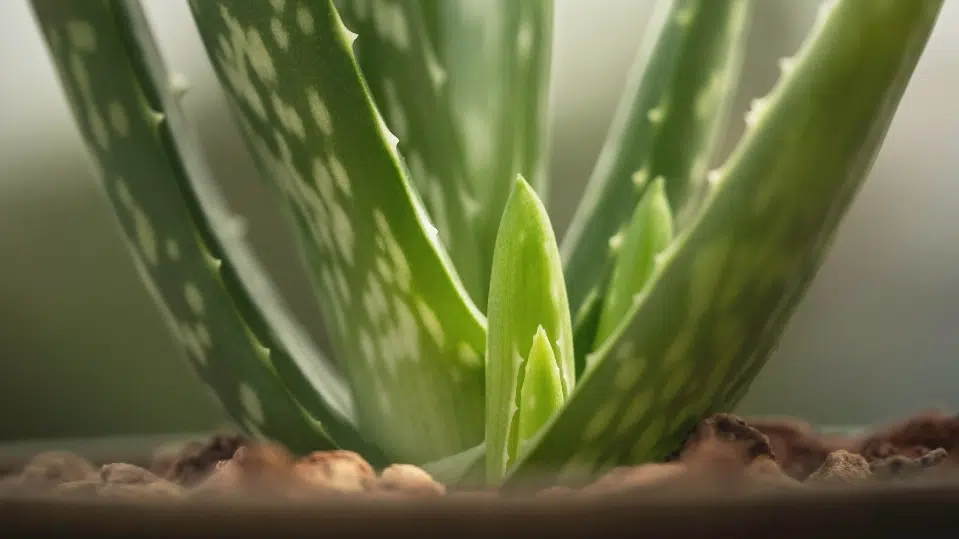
251, 403
343, 233
304, 19
280, 35
172, 249
431, 322
340, 176
118, 118
321, 114
193, 298
602, 417
260, 57
146, 237
524, 39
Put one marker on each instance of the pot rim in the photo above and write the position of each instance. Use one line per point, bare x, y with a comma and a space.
854, 511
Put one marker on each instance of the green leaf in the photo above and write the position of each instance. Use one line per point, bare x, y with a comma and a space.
667, 124
401, 324
729, 283
648, 234
498, 58
410, 86
527, 297
462, 469
464, 87
541, 394
198, 268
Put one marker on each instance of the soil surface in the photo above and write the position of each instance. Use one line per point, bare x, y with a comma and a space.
724, 451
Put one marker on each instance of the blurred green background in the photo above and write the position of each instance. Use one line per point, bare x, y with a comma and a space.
83, 351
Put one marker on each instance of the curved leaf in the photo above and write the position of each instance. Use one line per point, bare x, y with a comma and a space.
674, 106
464, 87
730, 282
498, 58
198, 268
407, 81
402, 325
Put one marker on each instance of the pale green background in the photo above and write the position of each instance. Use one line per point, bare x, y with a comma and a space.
82, 351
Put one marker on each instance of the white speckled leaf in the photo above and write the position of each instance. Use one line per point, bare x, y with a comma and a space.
463, 85
218, 302
401, 324
730, 281
668, 121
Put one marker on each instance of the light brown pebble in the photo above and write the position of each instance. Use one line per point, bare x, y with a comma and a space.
263, 461
840, 468
933, 458
51, 468
254, 467
410, 479
129, 474
338, 470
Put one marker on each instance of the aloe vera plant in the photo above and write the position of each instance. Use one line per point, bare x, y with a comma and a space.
404, 141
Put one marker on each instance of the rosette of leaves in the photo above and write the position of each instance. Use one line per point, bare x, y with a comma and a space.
398, 136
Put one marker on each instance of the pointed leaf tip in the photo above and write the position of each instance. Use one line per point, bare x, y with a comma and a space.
648, 234
522, 188
542, 392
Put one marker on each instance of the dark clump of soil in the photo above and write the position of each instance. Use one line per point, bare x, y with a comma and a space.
730, 429
799, 448
724, 453
926, 440
913, 438
898, 466
197, 461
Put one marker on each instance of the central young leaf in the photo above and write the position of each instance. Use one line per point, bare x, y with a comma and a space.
530, 370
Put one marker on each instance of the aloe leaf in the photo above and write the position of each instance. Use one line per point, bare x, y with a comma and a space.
649, 233
731, 280
401, 324
498, 58
667, 124
462, 469
463, 85
527, 297
541, 394
407, 81
217, 300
